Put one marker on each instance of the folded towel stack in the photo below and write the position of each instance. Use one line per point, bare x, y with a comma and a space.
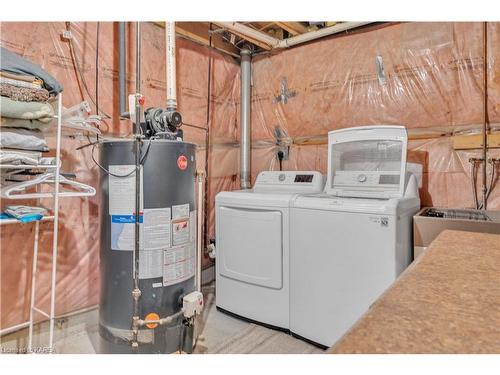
24, 88
26, 91
23, 94
25, 214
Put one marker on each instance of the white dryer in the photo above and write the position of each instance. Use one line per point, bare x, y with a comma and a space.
252, 240
351, 243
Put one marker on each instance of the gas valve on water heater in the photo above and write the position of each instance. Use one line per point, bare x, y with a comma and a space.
192, 304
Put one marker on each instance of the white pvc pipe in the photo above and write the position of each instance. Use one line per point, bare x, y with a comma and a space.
302, 38
199, 234
276, 43
170, 69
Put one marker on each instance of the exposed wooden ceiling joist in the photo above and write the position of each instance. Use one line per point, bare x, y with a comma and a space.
263, 35
198, 32
266, 26
250, 39
294, 28
274, 39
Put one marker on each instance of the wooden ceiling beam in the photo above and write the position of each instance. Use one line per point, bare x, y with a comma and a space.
266, 26
294, 28
249, 39
198, 32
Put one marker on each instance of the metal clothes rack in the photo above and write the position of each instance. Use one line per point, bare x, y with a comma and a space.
55, 218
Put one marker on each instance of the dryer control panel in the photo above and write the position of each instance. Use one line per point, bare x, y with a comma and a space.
290, 182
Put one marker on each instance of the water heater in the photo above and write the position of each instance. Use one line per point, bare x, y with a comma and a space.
167, 255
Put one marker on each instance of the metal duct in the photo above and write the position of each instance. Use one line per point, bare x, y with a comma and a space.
245, 126
122, 68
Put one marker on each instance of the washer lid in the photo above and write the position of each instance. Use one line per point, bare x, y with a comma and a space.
367, 161
327, 202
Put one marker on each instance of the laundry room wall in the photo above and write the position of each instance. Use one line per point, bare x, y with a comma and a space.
426, 76
78, 260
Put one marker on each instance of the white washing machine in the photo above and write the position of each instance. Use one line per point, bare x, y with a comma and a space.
349, 244
252, 239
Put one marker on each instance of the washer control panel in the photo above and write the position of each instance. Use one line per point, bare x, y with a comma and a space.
368, 179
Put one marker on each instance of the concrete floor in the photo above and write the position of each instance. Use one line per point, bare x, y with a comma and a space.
219, 333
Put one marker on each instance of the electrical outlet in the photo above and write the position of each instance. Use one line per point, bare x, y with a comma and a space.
66, 35
285, 150
86, 106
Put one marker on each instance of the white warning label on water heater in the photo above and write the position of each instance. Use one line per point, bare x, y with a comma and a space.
180, 211
192, 226
156, 228
180, 231
178, 264
156, 237
150, 264
122, 189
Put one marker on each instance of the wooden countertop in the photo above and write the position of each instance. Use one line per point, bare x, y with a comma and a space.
447, 301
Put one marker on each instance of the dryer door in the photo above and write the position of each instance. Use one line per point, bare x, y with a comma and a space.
250, 245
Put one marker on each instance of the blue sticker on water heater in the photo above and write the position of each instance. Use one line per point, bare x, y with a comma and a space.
123, 231
126, 219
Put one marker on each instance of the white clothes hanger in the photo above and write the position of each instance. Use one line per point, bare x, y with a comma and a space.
14, 191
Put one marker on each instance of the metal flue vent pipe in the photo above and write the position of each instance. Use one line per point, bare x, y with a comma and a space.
170, 58
122, 69
245, 128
